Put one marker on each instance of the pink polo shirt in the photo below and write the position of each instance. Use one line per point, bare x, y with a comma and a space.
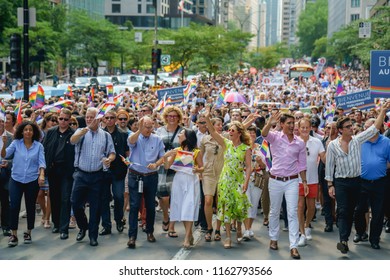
288, 158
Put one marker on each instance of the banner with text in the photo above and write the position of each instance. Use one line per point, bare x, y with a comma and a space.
380, 74
175, 94
361, 100
273, 81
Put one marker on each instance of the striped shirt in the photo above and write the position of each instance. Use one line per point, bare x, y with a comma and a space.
346, 165
93, 150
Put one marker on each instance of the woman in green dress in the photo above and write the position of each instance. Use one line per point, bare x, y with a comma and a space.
233, 203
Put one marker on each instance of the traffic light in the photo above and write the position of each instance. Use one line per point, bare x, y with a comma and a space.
16, 56
156, 61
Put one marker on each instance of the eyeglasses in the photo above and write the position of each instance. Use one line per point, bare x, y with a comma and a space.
122, 119
63, 119
216, 148
54, 120
199, 104
172, 116
348, 126
73, 123
148, 128
201, 122
110, 118
299, 117
307, 150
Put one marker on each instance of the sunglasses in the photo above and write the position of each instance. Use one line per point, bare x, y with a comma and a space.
54, 120
307, 150
63, 119
122, 119
216, 149
201, 122
110, 118
72, 124
231, 130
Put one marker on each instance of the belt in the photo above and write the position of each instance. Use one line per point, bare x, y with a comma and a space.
142, 174
284, 179
92, 172
373, 181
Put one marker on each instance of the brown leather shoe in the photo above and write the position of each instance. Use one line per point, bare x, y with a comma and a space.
131, 243
295, 254
150, 237
273, 245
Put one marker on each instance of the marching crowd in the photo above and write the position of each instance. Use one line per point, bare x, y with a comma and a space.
286, 149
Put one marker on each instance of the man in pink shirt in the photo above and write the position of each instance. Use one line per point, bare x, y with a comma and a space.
288, 160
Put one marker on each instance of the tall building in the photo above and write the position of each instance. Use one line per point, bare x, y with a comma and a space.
94, 8
343, 12
273, 22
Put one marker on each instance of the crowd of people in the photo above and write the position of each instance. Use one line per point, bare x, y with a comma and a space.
279, 151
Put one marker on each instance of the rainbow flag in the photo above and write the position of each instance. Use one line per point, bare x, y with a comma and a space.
264, 149
18, 112
110, 92
104, 109
184, 162
32, 98
125, 160
221, 98
159, 106
40, 99
329, 112
339, 84
191, 87
118, 99
92, 94
56, 107
69, 91
2, 109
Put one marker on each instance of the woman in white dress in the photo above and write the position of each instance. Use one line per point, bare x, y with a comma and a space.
185, 193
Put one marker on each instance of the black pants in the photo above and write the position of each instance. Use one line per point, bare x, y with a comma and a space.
347, 196
4, 202
60, 186
372, 193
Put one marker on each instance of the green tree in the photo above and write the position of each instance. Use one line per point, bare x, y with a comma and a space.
312, 25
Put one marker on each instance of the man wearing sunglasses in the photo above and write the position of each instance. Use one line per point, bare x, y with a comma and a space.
116, 178
343, 169
59, 155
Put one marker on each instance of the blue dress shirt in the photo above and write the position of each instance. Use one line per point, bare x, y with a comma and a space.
26, 162
375, 156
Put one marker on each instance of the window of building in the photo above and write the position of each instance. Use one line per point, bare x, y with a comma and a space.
201, 2
116, 8
201, 10
355, 3
116, 0
355, 17
149, 9
139, 8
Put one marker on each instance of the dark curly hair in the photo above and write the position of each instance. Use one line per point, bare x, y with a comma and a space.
19, 130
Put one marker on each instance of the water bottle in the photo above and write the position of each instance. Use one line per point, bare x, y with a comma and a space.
140, 185
105, 167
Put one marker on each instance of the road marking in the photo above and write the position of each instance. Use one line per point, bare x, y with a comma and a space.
182, 253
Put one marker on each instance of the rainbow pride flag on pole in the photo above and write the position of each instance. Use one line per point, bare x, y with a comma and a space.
2, 110
265, 150
221, 98
40, 98
18, 112
69, 91
32, 98
339, 84
184, 162
110, 92
104, 109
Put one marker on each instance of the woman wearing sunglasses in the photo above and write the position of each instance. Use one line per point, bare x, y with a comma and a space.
233, 204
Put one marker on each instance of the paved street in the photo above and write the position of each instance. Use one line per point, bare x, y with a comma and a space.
48, 246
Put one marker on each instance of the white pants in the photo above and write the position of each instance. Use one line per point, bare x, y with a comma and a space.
276, 191
253, 193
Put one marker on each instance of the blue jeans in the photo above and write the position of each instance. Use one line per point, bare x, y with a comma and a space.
87, 187
118, 190
16, 190
347, 195
149, 191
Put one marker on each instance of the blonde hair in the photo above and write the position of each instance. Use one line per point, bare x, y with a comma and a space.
169, 109
244, 137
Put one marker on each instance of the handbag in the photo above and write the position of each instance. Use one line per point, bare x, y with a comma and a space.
261, 179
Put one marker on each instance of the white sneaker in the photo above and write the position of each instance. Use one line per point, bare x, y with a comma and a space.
318, 205
251, 233
308, 234
302, 241
246, 236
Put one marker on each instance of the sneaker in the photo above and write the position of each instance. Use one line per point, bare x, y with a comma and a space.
13, 241
251, 233
302, 241
246, 236
27, 238
285, 228
318, 205
308, 234
343, 247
